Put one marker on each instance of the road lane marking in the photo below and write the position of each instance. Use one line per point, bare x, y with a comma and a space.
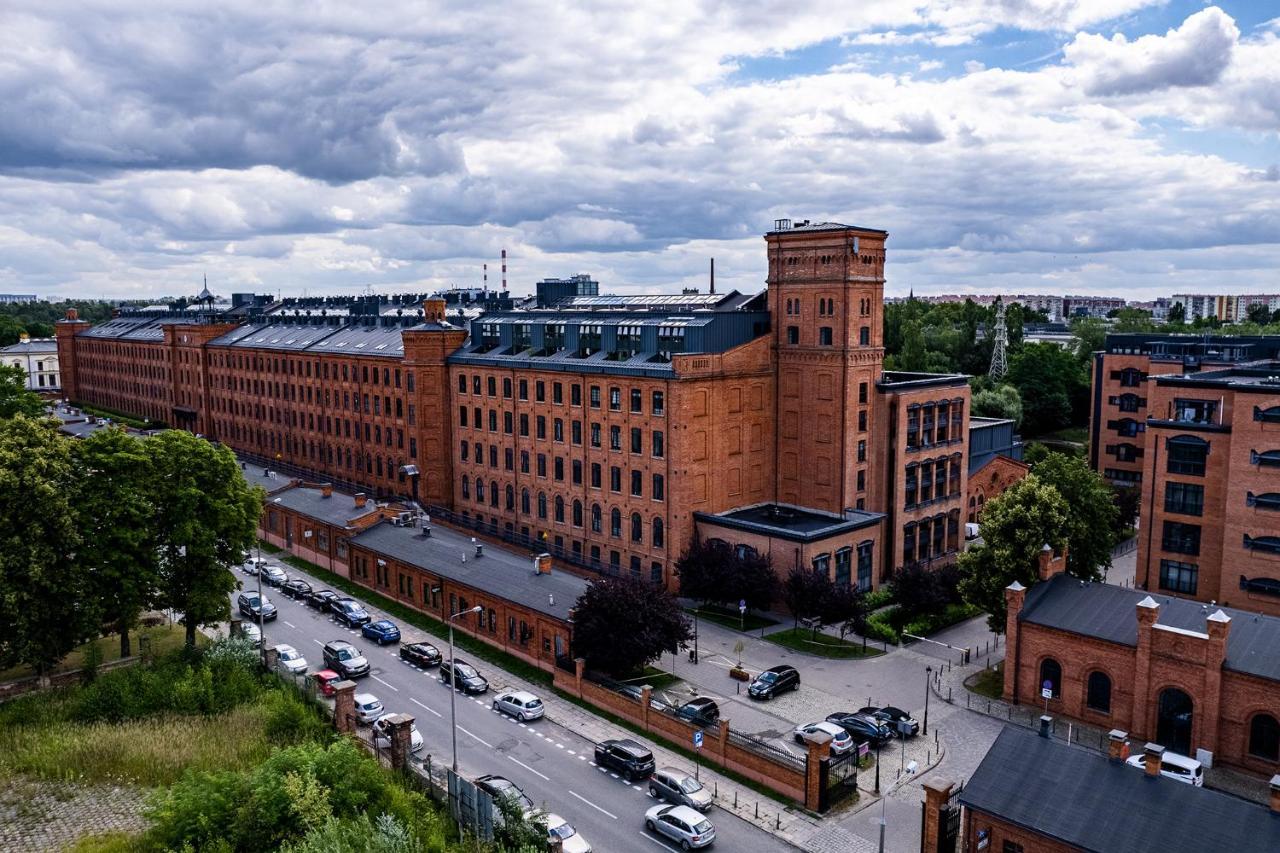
477, 737
380, 681
420, 705
287, 622
530, 769
593, 805
656, 841
571, 752
559, 746
317, 642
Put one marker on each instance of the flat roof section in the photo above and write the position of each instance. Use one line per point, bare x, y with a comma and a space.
793, 523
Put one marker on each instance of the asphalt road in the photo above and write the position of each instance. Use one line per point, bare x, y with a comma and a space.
552, 764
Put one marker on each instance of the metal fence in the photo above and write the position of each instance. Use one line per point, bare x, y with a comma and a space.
754, 744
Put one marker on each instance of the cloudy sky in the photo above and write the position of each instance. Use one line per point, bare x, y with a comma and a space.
1082, 146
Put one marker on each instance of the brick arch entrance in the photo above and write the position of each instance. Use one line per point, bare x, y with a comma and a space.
1173, 720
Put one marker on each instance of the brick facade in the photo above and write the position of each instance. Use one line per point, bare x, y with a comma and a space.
990, 481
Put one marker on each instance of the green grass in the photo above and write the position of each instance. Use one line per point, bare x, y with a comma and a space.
164, 638
824, 645
1079, 435
989, 682
730, 618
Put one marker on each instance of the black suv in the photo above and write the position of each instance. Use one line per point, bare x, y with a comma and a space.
774, 681
321, 598
862, 728
899, 721
424, 655
469, 680
296, 588
345, 659
629, 758
252, 607
701, 711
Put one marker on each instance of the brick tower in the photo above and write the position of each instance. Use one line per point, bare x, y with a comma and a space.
826, 292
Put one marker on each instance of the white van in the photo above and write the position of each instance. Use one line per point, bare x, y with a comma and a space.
1174, 766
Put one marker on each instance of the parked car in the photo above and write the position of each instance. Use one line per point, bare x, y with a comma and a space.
861, 728
273, 575
368, 708
679, 788
469, 681
902, 723
521, 704
629, 758
252, 565
701, 711
382, 734
349, 612
252, 606
325, 679
1174, 766
502, 787
381, 632
559, 829
291, 659
424, 655
841, 742
774, 681
251, 633
634, 692
296, 588
683, 825
321, 599
345, 659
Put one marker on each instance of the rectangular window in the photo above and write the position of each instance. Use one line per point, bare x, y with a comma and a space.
615, 399
595, 435
824, 336
540, 391
659, 447
576, 432
659, 486
1177, 576
1180, 538
636, 400
637, 442
595, 396
657, 403
1194, 411
1187, 455
793, 334
862, 392
542, 464
615, 478
1184, 498
558, 468
637, 483
615, 437
577, 472
575, 395
864, 567
595, 475
557, 430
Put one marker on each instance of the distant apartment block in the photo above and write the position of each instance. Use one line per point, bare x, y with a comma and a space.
17, 298
1228, 308
1058, 308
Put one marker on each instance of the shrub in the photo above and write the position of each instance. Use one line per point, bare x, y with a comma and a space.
290, 720
880, 626
198, 810
878, 598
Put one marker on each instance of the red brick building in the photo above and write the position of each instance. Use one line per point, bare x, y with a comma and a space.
598, 428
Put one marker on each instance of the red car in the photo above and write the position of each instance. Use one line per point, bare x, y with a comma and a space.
325, 679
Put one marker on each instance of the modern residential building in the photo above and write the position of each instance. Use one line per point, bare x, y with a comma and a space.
605, 430
17, 298
1229, 308
1059, 309
38, 358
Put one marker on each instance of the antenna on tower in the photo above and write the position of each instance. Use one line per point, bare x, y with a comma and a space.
504, 270
486, 277
713, 275
999, 361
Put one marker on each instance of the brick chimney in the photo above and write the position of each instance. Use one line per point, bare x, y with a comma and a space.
1152, 753
1051, 562
1275, 794
542, 564
73, 315
1014, 596
433, 310
1118, 745
360, 499
326, 491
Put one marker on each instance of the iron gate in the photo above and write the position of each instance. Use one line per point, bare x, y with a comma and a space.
949, 822
838, 779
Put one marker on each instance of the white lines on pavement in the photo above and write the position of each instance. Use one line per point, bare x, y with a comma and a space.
482, 740
571, 752
420, 705
287, 622
584, 758
559, 746
317, 642
654, 840
380, 681
530, 769
594, 806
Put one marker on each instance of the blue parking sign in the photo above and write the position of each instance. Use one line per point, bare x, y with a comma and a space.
697, 740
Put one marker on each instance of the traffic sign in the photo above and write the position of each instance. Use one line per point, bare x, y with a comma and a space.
1046, 689
742, 605
697, 740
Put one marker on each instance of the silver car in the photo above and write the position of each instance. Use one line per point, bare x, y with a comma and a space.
368, 708
559, 829
521, 704
683, 825
679, 788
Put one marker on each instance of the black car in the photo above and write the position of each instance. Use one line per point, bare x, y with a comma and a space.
349, 612
861, 728
420, 654
321, 599
899, 721
296, 588
252, 606
774, 681
345, 659
469, 681
700, 711
626, 756
502, 787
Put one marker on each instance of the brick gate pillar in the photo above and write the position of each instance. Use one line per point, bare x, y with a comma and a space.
936, 794
400, 727
344, 706
1014, 595
579, 666
1218, 627
819, 744
1148, 613
646, 692
270, 657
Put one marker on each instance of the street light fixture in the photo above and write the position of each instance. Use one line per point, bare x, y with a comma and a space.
928, 675
453, 684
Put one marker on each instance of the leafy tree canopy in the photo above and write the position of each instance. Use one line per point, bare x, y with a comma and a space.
999, 401
713, 570
1090, 528
620, 624
15, 399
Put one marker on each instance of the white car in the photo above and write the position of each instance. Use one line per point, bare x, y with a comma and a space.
382, 734
841, 741
368, 708
253, 565
291, 659
1173, 766
522, 705
251, 633
683, 825
570, 840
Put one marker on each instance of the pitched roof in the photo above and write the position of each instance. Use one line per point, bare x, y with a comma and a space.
1108, 613
1083, 798
337, 509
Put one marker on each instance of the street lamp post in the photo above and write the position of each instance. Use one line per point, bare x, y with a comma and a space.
453, 684
928, 674
262, 633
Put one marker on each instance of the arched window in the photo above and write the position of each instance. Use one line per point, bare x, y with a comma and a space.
559, 508
1051, 672
615, 522
659, 535
637, 528
577, 513
511, 498
596, 518
524, 500
1264, 737
479, 490
542, 504
493, 492
1098, 694
466, 486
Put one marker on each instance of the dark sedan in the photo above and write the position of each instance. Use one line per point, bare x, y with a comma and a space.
899, 721
348, 612
774, 681
296, 588
424, 655
468, 680
321, 599
861, 728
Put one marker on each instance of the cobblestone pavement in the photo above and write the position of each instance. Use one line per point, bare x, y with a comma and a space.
38, 815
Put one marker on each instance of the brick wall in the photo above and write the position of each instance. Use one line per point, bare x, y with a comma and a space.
999, 832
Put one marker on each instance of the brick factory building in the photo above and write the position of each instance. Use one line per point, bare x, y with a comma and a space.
1195, 424
606, 430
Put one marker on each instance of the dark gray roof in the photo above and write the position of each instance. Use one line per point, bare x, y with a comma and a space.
902, 379
1109, 613
1086, 800
337, 509
824, 226
501, 572
256, 475
796, 524
34, 345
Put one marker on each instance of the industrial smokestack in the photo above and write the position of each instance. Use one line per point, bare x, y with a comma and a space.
713, 275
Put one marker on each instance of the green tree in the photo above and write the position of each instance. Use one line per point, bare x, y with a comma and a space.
15, 399
805, 592
206, 517
620, 624
115, 515
37, 329
1016, 526
1259, 313
1134, 320
1091, 335
712, 570
914, 357
44, 609
1001, 401
1090, 529
1054, 387
1177, 314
